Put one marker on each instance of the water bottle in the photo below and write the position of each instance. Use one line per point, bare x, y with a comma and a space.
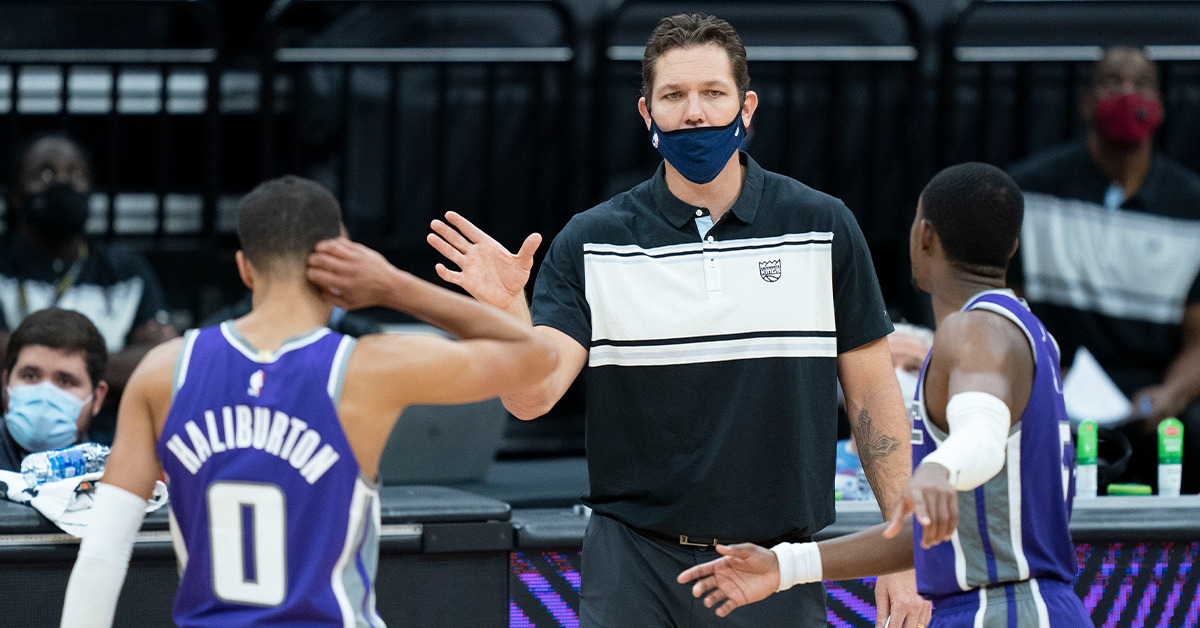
59, 464
1087, 447
1170, 457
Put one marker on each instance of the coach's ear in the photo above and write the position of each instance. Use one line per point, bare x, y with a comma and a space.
245, 269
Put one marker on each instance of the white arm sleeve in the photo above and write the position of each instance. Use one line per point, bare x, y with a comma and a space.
103, 559
974, 450
799, 563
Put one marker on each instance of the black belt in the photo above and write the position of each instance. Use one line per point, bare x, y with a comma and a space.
793, 536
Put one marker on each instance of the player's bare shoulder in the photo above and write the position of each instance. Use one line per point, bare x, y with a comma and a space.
980, 334
158, 366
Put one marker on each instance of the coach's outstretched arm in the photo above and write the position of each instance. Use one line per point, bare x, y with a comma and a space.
880, 426
488, 272
128, 481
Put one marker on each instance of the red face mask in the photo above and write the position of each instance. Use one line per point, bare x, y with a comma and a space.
1129, 119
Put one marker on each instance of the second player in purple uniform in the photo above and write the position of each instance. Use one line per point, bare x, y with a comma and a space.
992, 487
270, 427
1010, 559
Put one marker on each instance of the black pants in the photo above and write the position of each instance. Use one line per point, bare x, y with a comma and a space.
628, 581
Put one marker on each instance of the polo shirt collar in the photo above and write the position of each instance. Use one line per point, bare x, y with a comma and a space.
680, 213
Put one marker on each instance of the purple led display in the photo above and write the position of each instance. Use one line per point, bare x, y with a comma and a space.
1121, 584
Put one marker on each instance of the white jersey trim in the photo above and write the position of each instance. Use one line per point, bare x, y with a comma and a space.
1015, 505
337, 372
235, 340
183, 361
354, 521
1043, 614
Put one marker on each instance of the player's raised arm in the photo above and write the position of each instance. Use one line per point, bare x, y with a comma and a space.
120, 507
977, 384
495, 352
353, 276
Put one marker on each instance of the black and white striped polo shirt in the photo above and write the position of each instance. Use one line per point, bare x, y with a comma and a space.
711, 387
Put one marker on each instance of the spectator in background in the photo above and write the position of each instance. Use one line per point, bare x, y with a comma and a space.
909, 345
53, 384
1109, 256
48, 262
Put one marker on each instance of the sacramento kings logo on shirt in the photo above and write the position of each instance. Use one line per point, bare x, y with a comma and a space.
770, 270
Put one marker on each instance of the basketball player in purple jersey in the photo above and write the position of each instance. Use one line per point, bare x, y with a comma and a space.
270, 428
991, 444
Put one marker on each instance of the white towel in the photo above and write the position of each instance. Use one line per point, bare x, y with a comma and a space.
67, 503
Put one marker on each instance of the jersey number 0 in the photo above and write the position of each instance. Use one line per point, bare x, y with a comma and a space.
247, 524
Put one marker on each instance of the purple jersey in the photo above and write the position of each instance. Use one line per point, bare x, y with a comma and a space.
273, 521
1014, 527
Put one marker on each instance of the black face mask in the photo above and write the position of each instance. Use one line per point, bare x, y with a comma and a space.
57, 213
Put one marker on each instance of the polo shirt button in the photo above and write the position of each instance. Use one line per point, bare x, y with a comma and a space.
699, 212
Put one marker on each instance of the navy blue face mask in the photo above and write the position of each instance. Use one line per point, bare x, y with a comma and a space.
699, 154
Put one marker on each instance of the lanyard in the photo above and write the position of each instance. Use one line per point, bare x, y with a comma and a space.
68, 279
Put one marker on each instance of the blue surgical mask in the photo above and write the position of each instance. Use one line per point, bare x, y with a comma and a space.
43, 416
699, 153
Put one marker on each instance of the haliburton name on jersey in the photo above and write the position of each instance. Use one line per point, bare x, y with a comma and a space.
245, 427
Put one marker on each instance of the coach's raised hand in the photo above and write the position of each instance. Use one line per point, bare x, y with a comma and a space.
487, 270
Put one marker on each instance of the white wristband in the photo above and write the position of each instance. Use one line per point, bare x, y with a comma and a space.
799, 563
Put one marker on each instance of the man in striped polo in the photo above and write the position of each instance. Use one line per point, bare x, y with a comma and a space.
716, 306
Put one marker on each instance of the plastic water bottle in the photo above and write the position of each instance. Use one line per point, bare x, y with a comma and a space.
1170, 457
1087, 447
59, 464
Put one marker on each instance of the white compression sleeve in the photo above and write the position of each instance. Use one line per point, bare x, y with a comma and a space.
799, 563
974, 450
103, 559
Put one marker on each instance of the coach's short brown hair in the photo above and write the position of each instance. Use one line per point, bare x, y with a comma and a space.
690, 30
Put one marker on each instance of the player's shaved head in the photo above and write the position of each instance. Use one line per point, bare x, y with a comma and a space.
281, 221
976, 210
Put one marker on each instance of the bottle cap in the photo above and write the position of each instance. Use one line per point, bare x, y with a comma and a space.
1129, 489
1170, 441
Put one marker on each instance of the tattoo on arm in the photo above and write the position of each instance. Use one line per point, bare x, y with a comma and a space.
873, 445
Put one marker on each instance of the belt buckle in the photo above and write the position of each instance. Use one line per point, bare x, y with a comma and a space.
683, 540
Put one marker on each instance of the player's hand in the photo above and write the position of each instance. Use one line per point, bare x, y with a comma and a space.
745, 573
350, 275
897, 603
488, 271
930, 498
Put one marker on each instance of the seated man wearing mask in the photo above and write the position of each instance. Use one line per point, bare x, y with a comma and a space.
48, 262
1108, 256
53, 384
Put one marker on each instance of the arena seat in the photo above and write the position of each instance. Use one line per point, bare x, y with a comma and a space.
409, 108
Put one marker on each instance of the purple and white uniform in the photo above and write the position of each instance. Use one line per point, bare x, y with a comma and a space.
273, 521
1011, 561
